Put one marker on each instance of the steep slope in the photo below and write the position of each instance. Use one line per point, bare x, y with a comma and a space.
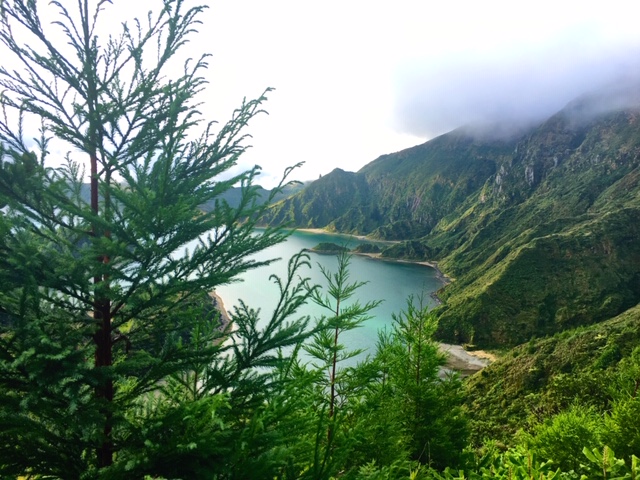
554, 243
414, 189
576, 275
341, 198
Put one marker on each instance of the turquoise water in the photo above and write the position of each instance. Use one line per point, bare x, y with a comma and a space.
391, 282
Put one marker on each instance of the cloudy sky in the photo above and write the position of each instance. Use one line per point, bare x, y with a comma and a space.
356, 79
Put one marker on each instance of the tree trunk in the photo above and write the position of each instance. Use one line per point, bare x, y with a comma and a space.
101, 304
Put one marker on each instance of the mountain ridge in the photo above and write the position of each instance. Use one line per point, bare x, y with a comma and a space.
538, 230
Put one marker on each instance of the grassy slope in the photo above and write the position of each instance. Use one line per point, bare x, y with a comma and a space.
583, 273
547, 375
416, 188
398, 196
563, 256
337, 195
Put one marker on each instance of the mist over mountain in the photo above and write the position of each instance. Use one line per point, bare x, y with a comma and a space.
519, 84
511, 123
539, 229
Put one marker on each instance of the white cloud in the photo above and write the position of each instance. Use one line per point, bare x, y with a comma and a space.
521, 65
358, 79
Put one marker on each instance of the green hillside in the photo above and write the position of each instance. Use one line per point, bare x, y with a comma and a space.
554, 244
534, 381
329, 202
398, 196
540, 231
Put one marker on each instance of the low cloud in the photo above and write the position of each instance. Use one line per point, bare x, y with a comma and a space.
509, 88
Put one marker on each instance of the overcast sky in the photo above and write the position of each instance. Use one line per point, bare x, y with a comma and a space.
358, 79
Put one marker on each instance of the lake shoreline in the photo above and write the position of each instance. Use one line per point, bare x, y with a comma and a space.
397, 281
458, 359
359, 237
218, 304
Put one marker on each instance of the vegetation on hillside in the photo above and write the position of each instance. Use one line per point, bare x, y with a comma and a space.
362, 248
538, 231
591, 366
367, 248
560, 256
113, 364
397, 196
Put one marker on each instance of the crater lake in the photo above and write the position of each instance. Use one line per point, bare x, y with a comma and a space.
393, 282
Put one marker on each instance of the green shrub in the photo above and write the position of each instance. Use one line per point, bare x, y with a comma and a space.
563, 438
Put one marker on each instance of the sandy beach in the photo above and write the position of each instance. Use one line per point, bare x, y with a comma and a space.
465, 362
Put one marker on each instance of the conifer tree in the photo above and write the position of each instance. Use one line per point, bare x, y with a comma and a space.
103, 289
430, 405
334, 384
